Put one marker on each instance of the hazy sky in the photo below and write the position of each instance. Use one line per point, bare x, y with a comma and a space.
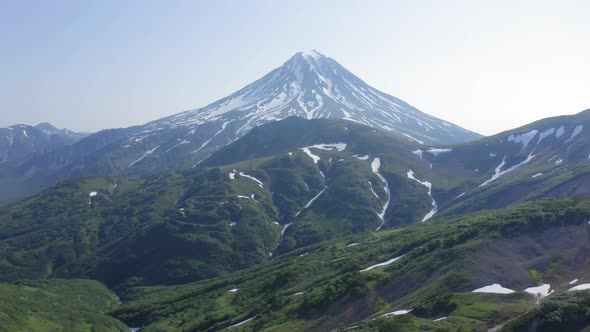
485, 65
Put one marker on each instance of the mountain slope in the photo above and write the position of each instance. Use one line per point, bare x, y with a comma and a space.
276, 190
435, 268
309, 85
209, 221
548, 158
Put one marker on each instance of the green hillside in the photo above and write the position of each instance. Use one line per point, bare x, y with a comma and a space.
324, 287
57, 305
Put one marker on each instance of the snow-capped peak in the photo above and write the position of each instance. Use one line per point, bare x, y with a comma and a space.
313, 54
309, 85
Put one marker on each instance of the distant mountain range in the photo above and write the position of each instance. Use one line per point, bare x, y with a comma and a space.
19, 143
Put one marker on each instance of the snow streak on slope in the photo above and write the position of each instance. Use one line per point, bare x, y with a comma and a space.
311, 201
375, 165
260, 184
147, 153
382, 264
242, 322
499, 172
299, 212
428, 185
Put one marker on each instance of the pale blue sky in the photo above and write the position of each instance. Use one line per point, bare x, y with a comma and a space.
485, 65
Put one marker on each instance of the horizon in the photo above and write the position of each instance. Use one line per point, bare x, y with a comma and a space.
93, 67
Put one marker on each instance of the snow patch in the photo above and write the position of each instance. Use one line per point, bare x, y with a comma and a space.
575, 133
352, 245
540, 291
418, 153
396, 313
436, 152
573, 281
546, 133
311, 155
92, 193
537, 175
365, 157
579, 287
233, 290
559, 161
560, 131
493, 288
523, 138
330, 147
